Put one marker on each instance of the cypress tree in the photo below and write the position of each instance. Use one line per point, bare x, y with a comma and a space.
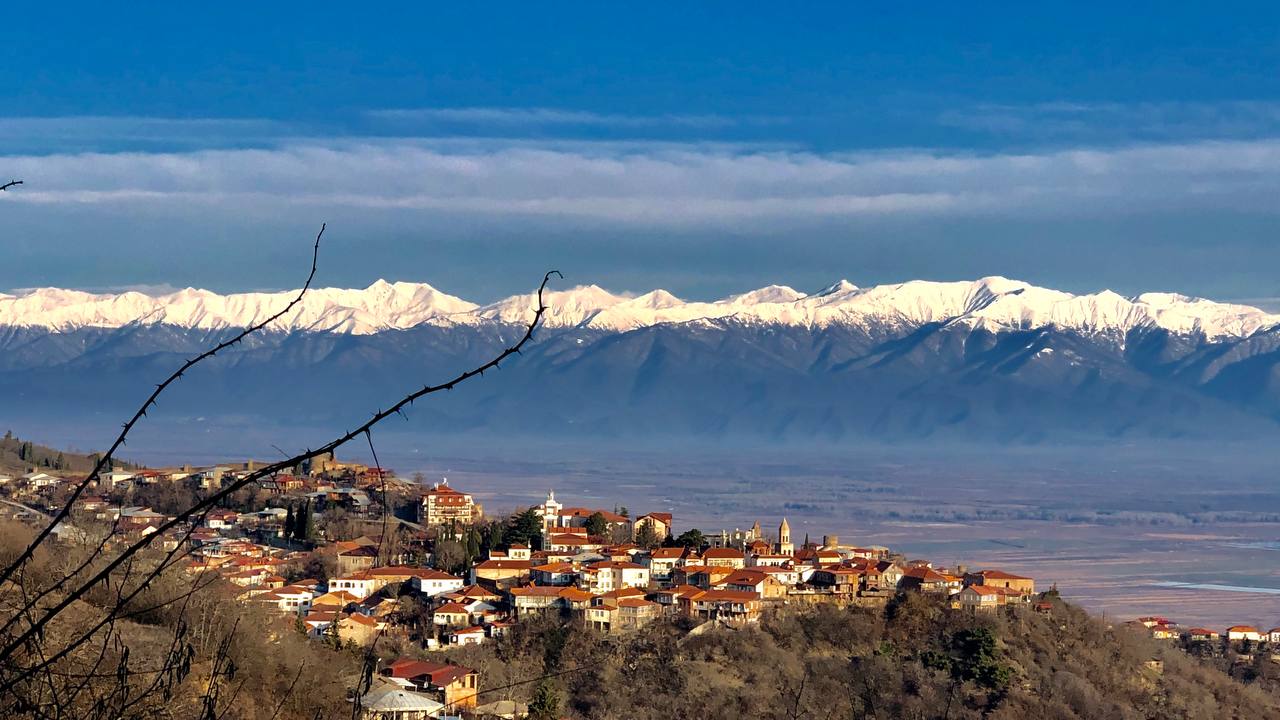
288, 522
473, 545
308, 524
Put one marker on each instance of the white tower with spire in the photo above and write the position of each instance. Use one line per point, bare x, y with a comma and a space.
550, 511
784, 539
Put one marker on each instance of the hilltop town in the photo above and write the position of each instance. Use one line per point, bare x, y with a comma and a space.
354, 556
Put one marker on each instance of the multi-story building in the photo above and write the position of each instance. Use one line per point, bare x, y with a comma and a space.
443, 505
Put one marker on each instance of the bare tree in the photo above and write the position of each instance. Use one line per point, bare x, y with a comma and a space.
63, 652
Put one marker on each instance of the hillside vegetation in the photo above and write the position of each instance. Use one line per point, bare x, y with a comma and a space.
18, 456
913, 659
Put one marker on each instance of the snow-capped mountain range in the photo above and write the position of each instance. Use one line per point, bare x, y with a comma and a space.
994, 303
991, 359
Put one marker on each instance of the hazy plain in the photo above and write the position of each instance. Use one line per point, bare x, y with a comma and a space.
1166, 530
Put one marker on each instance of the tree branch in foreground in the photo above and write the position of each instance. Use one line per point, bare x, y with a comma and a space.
35, 629
105, 461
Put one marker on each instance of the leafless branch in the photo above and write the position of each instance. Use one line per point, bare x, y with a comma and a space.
105, 461
9, 184
203, 506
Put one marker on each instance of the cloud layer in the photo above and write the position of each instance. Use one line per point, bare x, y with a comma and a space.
663, 185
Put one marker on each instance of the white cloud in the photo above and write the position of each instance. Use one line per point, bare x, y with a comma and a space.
530, 117
662, 185
1118, 121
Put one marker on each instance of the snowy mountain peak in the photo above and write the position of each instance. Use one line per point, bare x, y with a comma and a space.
991, 302
840, 288
770, 294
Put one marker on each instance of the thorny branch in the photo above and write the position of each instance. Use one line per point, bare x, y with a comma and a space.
105, 461
199, 509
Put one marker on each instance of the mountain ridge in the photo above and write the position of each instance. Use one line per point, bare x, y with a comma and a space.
988, 360
995, 302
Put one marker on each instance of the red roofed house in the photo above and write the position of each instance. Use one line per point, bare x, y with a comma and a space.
605, 576
431, 582
443, 505
473, 635
1202, 635
453, 685
560, 573
766, 585
998, 578
617, 614
724, 557
733, 606
658, 522
359, 629
844, 580
354, 556
980, 597
535, 599
451, 615
925, 579
503, 572
1244, 632
662, 561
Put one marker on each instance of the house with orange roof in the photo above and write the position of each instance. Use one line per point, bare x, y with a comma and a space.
980, 597
473, 635
669, 598
766, 585
769, 559
733, 606
287, 599
703, 576
1202, 635
661, 563
999, 578
838, 579
502, 572
620, 614
433, 583
451, 615
724, 557
573, 542
1241, 633
557, 573
658, 522
453, 685
358, 629
925, 579
575, 599
535, 599
354, 557
471, 592
609, 575
443, 505
361, 584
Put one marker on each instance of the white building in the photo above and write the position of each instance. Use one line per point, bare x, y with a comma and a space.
434, 582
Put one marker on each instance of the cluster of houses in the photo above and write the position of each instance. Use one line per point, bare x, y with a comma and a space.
605, 570
578, 573
324, 480
1237, 636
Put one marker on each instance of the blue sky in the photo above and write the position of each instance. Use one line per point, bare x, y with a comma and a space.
705, 149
